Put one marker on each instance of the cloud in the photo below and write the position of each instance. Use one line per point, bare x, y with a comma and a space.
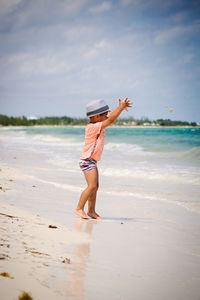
126, 2
81, 33
100, 49
31, 64
183, 31
187, 58
37, 13
8, 6
100, 8
178, 18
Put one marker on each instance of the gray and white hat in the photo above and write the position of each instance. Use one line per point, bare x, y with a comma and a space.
96, 107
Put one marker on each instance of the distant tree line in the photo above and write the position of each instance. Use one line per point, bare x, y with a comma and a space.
168, 122
24, 121
159, 122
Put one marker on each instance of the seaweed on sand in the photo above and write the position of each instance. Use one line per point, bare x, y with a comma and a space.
25, 296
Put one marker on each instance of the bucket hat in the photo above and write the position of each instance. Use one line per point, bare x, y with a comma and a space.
96, 107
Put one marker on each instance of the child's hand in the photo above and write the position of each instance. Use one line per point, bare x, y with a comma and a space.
125, 104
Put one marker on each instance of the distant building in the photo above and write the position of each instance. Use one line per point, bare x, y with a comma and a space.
32, 118
133, 123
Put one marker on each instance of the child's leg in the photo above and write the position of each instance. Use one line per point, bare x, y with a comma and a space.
91, 177
91, 207
92, 202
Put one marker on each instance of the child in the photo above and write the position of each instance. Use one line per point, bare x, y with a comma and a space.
97, 111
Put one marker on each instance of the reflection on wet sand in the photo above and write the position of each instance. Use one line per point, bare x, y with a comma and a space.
76, 270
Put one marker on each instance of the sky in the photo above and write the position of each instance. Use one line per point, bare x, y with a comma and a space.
58, 55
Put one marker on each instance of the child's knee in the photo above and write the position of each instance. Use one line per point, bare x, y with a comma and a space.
93, 188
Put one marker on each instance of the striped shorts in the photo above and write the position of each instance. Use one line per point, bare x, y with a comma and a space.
87, 164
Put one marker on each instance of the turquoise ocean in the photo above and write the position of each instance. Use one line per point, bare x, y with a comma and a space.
160, 164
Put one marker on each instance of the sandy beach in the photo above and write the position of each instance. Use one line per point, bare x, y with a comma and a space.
33, 248
143, 249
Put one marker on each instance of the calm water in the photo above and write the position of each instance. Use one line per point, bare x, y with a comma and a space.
151, 163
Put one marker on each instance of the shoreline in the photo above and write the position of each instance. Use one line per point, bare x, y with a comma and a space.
83, 126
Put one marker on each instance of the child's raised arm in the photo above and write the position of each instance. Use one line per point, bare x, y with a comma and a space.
116, 112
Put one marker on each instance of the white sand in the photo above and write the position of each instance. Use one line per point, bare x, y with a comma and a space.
30, 250
143, 249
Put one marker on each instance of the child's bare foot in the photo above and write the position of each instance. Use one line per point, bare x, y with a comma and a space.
81, 213
94, 215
